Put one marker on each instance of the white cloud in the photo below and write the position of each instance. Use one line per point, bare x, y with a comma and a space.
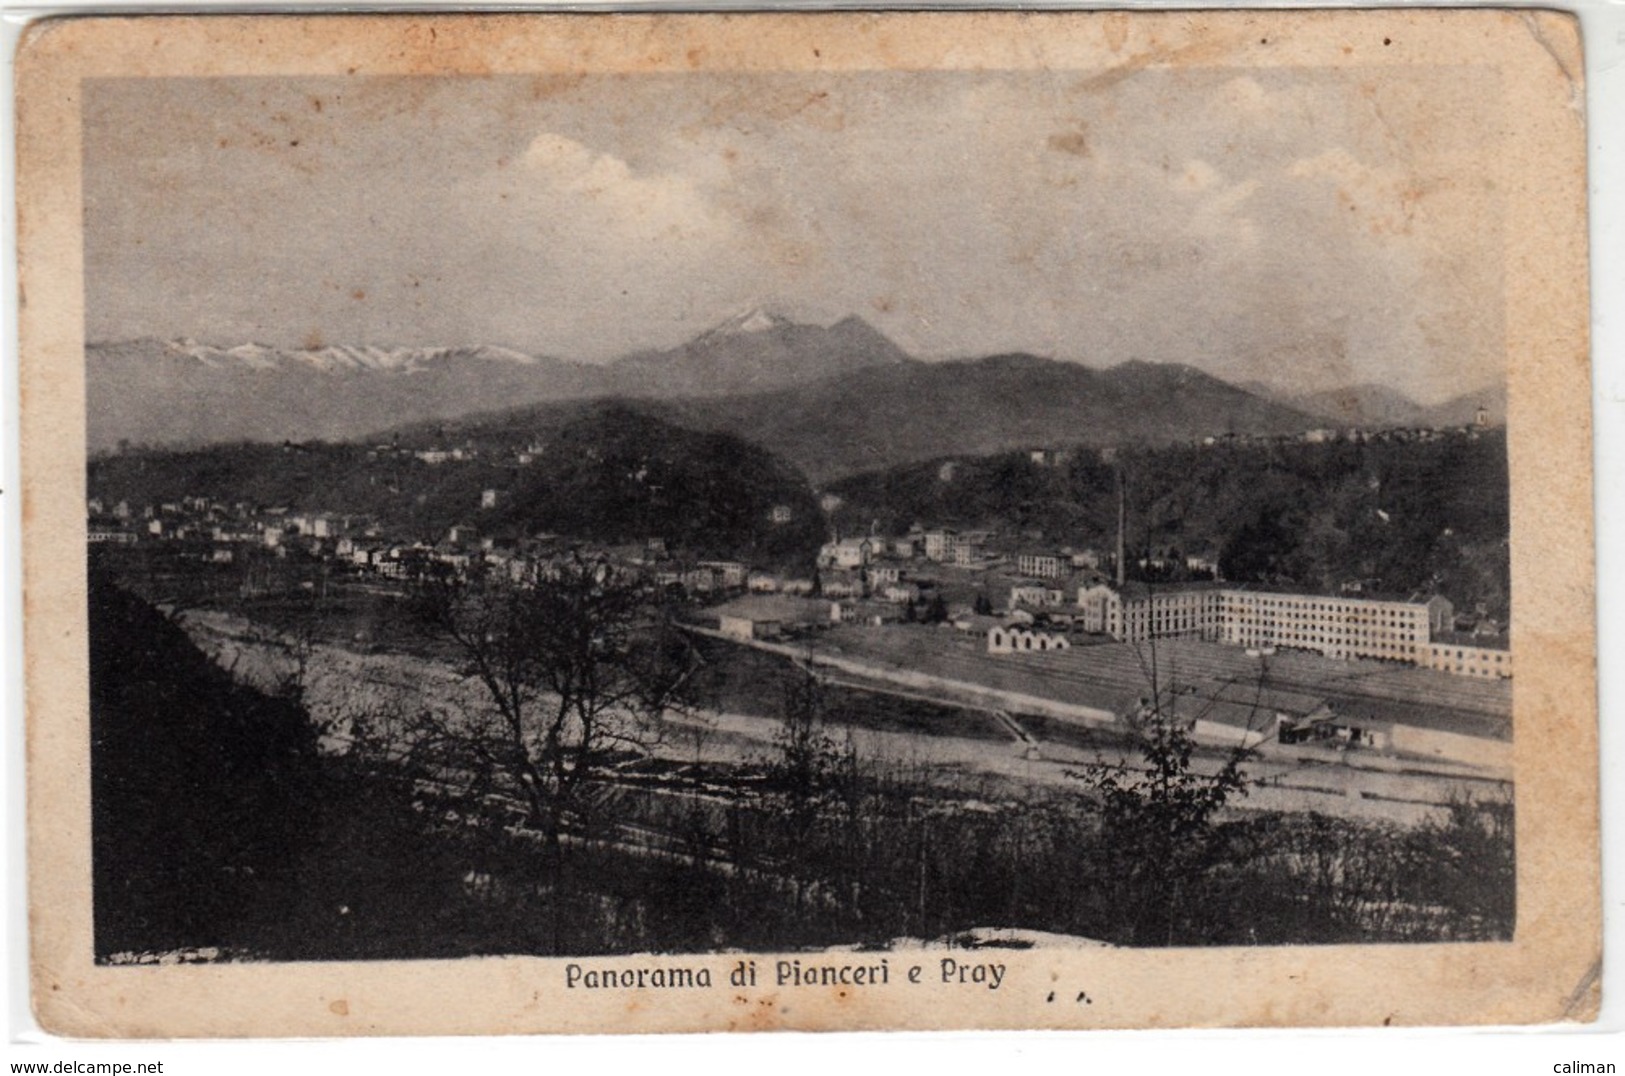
1220, 216
1196, 214
573, 166
568, 181
1200, 205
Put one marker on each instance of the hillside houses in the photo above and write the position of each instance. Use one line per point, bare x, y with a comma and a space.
943, 546
1037, 596
848, 553
1043, 565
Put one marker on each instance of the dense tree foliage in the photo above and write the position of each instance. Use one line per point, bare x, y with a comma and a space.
579, 671
1411, 516
218, 824
1158, 827
618, 474
612, 474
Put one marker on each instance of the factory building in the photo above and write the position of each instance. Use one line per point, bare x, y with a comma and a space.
1484, 662
1136, 612
1402, 629
1389, 629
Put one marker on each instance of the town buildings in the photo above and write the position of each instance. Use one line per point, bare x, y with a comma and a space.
847, 553
1042, 565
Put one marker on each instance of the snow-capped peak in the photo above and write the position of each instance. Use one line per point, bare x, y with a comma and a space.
334, 359
755, 320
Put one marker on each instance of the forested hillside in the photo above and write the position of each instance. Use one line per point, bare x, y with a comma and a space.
885, 416
1402, 515
615, 475
603, 472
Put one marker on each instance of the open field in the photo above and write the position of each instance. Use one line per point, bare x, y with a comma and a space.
1022, 750
1112, 676
752, 681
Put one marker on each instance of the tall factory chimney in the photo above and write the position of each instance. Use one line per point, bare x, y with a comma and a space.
1122, 525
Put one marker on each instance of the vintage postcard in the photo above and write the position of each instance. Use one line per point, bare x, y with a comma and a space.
625, 523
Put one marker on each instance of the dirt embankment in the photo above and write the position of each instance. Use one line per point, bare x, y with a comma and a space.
340, 686
337, 685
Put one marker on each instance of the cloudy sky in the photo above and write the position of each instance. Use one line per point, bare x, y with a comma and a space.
1320, 227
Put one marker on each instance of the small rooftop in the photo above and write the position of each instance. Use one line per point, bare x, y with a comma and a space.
775, 607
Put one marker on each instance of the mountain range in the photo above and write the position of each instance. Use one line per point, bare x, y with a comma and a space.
182, 392
755, 352
834, 399
1381, 405
885, 415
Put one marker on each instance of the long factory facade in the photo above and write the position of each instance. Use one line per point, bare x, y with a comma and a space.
1412, 631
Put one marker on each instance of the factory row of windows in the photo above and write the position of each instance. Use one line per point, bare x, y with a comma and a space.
1339, 628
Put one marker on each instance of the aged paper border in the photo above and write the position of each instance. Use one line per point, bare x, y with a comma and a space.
1550, 972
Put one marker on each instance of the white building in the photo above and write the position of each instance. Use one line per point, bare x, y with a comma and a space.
1034, 594
1391, 629
1485, 662
1041, 565
847, 553
941, 545
110, 536
841, 587
898, 593
1011, 639
1338, 626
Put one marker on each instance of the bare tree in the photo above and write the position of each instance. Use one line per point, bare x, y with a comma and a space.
801, 775
578, 667
1159, 819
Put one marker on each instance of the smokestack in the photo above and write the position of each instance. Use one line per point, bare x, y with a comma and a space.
1122, 525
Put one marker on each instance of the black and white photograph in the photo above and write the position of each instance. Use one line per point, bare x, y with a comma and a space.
833, 518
